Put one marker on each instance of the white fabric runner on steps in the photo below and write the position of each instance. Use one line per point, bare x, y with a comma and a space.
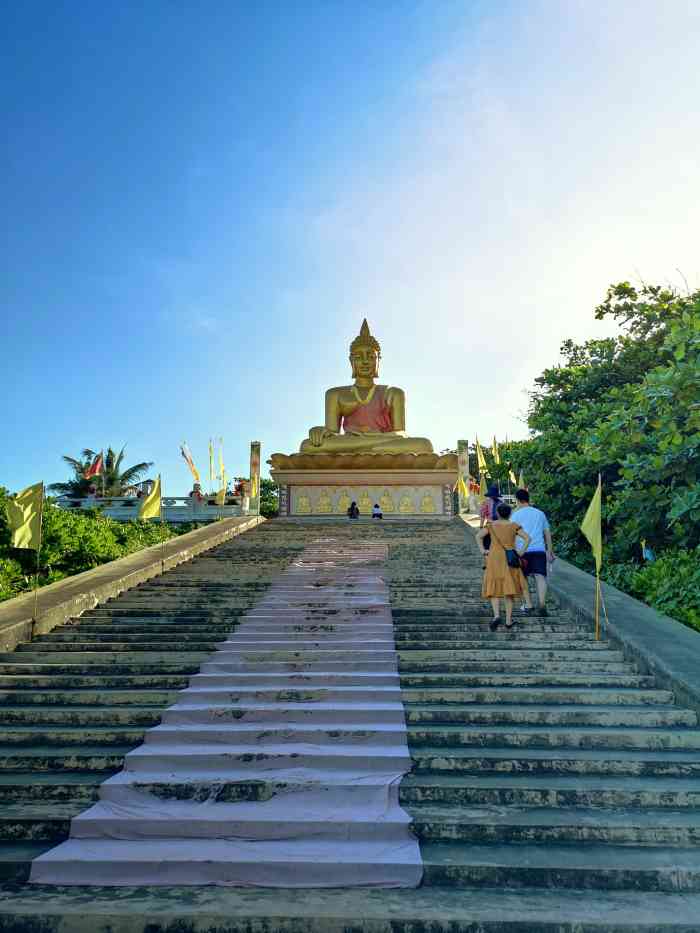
280, 764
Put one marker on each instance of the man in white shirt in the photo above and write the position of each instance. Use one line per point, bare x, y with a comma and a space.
540, 552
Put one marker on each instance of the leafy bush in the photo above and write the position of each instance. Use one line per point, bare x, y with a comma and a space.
72, 541
670, 584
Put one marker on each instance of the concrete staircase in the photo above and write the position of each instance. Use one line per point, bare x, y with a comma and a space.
554, 787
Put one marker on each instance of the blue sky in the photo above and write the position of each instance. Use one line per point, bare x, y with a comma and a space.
202, 201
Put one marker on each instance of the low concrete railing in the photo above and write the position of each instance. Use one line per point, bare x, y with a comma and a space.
68, 598
176, 509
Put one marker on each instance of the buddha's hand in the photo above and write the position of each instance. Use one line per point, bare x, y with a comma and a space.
317, 435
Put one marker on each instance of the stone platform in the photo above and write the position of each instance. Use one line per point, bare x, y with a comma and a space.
399, 493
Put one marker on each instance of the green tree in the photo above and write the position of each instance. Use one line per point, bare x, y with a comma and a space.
116, 479
269, 498
626, 407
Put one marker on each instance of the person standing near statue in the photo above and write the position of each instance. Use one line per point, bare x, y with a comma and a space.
538, 552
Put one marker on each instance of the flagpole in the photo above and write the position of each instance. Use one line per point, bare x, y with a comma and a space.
38, 565
102, 458
162, 530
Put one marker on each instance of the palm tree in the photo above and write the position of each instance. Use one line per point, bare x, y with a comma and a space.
115, 480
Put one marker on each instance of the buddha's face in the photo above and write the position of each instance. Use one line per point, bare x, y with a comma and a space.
365, 362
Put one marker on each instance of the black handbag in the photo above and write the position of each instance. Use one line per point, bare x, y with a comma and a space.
513, 559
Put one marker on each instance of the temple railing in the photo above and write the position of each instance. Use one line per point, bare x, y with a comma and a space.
176, 509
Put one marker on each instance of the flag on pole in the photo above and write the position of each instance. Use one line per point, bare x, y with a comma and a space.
511, 477
591, 528
462, 486
187, 456
591, 525
24, 517
495, 451
521, 481
150, 507
222, 468
95, 468
482, 485
211, 464
481, 460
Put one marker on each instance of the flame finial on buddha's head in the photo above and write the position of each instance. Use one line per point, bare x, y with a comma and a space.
365, 339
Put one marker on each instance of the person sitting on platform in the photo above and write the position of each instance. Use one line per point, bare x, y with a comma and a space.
353, 511
376, 511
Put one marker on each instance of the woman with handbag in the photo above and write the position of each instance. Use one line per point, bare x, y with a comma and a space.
503, 576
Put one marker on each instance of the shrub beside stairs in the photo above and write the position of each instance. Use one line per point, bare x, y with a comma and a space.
554, 787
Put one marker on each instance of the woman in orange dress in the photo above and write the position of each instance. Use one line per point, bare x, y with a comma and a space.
500, 580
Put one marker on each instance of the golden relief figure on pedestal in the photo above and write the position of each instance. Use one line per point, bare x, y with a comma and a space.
343, 503
303, 505
365, 504
325, 505
427, 504
405, 504
386, 502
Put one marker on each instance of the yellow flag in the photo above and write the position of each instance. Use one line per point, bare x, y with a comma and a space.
590, 526
24, 517
481, 460
150, 507
221, 494
494, 451
211, 464
511, 477
222, 469
521, 480
482, 485
462, 486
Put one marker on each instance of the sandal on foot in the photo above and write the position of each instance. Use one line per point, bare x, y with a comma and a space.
493, 624
512, 624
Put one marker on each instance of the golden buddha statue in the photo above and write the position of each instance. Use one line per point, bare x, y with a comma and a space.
364, 417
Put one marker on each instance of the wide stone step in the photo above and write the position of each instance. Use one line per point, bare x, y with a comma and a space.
589, 867
489, 825
526, 736
70, 649
598, 652
558, 715
75, 668
363, 910
157, 627
28, 682
36, 822
29, 736
120, 638
583, 696
528, 680
136, 696
131, 715
516, 664
476, 760
78, 788
541, 790
79, 756
528, 641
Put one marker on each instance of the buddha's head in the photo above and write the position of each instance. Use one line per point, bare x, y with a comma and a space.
364, 354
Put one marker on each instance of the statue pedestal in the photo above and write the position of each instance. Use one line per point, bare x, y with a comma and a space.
401, 493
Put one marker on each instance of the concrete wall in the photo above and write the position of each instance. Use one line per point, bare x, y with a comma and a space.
68, 598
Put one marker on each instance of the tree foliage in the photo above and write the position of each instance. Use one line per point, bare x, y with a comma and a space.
72, 541
269, 498
116, 479
627, 407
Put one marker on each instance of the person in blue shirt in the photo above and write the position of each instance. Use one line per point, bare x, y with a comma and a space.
539, 553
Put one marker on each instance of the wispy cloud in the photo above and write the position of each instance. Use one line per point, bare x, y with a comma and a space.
541, 158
